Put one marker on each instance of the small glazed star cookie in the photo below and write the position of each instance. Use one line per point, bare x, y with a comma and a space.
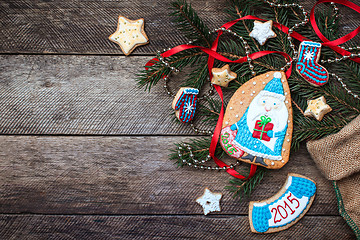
317, 108
222, 76
262, 31
129, 34
209, 201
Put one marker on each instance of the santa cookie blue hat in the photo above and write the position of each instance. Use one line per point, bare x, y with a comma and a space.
274, 88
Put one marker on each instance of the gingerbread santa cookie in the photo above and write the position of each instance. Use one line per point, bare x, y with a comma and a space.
257, 126
285, 208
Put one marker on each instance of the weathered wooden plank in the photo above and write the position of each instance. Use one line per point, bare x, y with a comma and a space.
124, 175
162, 227
84, 26
94, 95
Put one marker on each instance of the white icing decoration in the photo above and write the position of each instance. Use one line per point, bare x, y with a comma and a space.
309, 55
272, 163
241, 103
243, 92
226, 123
231, 108
288, 183
254, 83
260, 204
277, 75
236, 116
264, 83
210, 201
262, 31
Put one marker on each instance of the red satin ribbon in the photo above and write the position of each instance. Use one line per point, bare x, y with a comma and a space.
334, 44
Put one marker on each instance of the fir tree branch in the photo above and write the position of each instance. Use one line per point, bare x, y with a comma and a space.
240, 188
189, 22
246, 27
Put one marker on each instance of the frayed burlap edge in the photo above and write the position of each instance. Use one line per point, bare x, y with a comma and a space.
338, 158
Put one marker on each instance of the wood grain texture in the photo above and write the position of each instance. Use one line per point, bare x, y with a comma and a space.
162, 227
83, 95
125, 175
84, 26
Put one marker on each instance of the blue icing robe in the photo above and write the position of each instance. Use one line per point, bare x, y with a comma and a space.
246, 141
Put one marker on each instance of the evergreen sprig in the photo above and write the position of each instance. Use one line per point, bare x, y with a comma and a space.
241, 188
190, 23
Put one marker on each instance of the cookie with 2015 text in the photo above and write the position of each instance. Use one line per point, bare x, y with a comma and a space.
285, 208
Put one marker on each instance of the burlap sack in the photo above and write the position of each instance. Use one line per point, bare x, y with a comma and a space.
338, 158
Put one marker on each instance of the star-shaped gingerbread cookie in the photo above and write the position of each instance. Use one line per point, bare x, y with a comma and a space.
262, 31
129, 34
210, 201
222, 76
317, 108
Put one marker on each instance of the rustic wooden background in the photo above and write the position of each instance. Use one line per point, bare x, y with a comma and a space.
84, 153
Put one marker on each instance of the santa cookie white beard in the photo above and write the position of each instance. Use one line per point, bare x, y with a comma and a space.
260, 115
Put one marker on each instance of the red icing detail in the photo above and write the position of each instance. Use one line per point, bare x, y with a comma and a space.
294, 199
275, 221
260, 132
287, 205
281, 213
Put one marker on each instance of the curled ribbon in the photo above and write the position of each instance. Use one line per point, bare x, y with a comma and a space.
334, 44
264, 121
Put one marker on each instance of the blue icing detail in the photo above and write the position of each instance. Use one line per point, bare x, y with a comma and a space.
299, 187
316, 74
302, 187
314, 44
275, 86
191, 91
315, 80
260, 218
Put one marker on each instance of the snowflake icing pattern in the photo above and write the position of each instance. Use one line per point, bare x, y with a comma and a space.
309, 55
188, 108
